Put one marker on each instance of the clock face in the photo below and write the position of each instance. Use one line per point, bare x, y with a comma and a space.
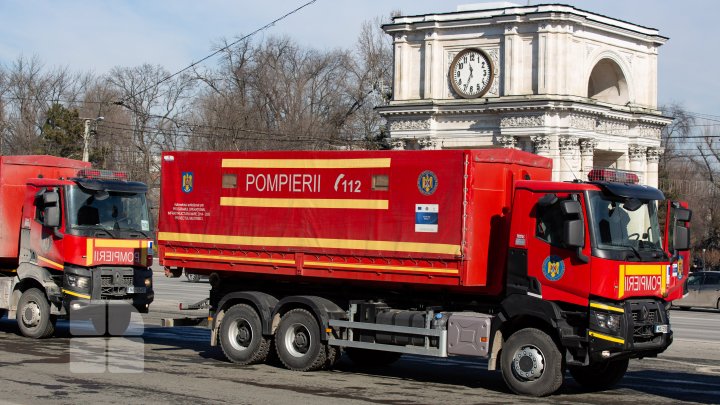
471, 73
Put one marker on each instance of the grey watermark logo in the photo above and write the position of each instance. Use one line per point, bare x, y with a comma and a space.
106, 338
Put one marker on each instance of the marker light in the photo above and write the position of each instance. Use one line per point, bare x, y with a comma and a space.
613, 175
102, 174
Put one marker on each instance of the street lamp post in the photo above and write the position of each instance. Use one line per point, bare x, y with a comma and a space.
86, 137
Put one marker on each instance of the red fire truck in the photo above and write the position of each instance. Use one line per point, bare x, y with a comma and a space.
437, 253
70, 236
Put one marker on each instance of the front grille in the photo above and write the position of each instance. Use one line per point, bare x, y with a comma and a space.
114, 282
122, 280
645, 315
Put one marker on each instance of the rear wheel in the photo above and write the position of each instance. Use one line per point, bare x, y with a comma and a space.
33, 315
599, 376
372, 358
192, 277
298, 343
531, 363
241, 336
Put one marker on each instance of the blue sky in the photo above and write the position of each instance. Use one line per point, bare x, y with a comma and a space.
95, 35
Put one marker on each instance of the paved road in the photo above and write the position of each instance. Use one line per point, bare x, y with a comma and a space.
178, 366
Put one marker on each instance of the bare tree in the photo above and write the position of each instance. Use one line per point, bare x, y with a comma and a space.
157, 107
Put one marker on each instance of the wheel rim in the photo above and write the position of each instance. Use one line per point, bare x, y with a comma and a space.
31, 314
528, 363
241, 334
297, 340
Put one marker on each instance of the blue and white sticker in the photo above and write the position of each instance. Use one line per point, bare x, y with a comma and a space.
553, 268
426, 217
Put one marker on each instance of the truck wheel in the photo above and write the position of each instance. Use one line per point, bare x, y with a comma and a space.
372, 358
192, 277
297, 341
333, 356
599, 376
531, 363
241, 336
33, 315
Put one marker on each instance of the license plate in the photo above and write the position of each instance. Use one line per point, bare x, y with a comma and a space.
661, 329
135, 290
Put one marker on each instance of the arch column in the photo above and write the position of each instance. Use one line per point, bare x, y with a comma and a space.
569, 158
587, 154
653, 159
637, 155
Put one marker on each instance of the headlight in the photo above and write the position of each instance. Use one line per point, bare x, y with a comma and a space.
148, 282
608, 321
78, 282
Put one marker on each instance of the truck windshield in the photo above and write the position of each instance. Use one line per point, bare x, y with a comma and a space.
618, 225
106, 210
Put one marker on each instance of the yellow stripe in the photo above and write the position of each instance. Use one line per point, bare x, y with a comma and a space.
143, 253
303, 203
606, 337
643, 270
90, 252
375, 267
74, 294
229, 258
117, 243
607, 307
307, 163
390, 246
56, 264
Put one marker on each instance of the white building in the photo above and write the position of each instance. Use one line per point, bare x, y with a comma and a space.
565, 83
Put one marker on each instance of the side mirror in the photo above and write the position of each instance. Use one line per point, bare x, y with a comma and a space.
574, 233
681, 238
51, 216
50, 198
683, 214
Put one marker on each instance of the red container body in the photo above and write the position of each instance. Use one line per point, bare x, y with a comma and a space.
422, 218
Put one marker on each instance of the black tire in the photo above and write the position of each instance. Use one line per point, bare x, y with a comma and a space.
371, 358
241, 336
33, 315
192, 277
297, 341
599, 376
333, 356
531, 363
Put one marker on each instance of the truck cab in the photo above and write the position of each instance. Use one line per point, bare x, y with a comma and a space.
593, 252
83, 240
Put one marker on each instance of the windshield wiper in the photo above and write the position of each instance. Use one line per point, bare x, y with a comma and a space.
637, 253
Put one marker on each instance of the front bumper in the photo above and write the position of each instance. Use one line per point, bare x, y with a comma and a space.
124, 284
643, 330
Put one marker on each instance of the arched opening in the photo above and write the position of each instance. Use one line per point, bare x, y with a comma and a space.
607, 83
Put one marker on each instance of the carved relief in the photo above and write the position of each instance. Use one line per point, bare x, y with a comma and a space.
568, 145
612, 127
647, 131
653, 154
587, 146
583, 122
541, 143
409, 125
495, 58
523, 121
637, 152
508, 142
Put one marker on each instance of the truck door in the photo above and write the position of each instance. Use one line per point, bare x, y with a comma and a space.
44, 221
668, 213
562, 272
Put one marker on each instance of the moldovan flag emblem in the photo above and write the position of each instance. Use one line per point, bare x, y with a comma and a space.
187, 182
